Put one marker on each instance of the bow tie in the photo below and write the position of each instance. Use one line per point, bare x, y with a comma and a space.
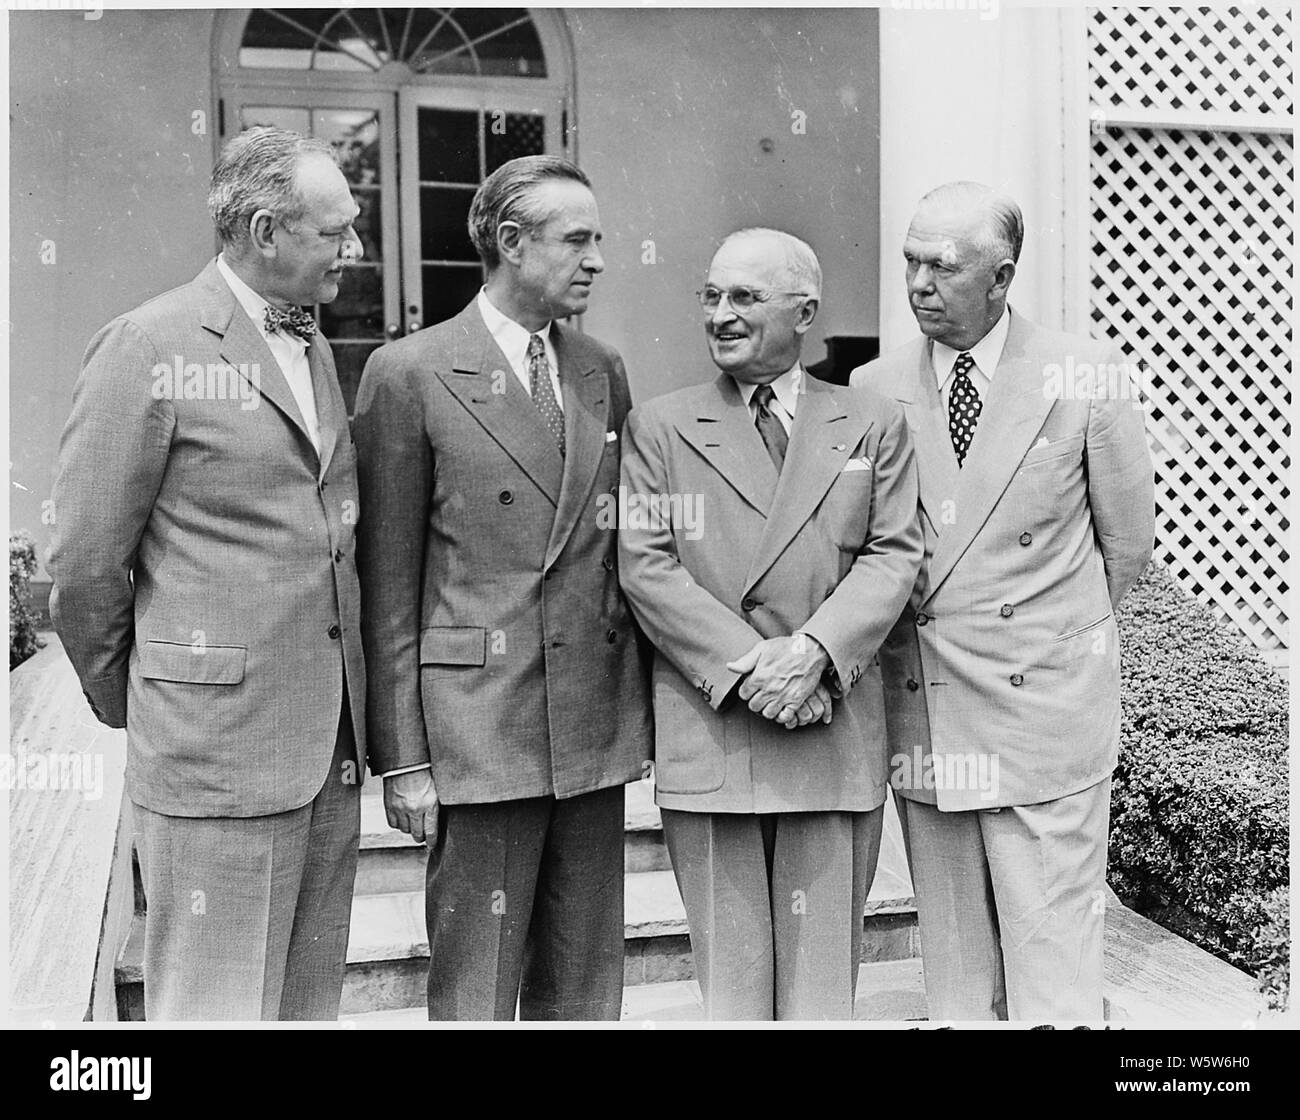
294, 321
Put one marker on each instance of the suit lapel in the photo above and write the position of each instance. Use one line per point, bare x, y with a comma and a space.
1013, 414
243, 346
723, 432
936, 461
585, 390
331, 412
822, 438
482, 380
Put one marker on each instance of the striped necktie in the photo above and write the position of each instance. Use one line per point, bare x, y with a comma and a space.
543, 392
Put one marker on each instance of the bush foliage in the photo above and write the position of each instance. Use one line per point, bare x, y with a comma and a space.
1199, 804
22, 623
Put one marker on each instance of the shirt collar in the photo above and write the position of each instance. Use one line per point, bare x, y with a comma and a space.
785, 388
509, 335
987, 352
253, 304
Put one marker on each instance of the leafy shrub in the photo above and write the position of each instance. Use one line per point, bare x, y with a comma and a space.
22, 623
1271, 959
1199, 830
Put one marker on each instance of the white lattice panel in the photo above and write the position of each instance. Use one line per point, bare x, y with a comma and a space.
1191, 271
1232, 60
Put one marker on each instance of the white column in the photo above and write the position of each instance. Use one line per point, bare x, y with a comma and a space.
997, 96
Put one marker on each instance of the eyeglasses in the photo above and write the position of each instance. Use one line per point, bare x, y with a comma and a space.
741, 299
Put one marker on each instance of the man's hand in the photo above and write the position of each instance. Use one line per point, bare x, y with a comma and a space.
784, 674
816, 707
411, 803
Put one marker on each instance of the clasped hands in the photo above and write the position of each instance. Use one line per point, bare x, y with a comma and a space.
783, 680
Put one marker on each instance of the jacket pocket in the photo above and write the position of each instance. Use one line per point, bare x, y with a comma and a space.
453, 645
1093, 640
1082, 629
192, 664
1057, 449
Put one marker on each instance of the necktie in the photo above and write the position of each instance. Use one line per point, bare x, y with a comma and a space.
539, 384
293, 321
963, 406
769, 427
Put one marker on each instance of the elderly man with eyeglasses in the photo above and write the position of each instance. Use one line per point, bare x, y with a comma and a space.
766, 613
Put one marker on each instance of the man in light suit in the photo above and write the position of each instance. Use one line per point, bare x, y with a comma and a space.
1002, 675
205, 591
771, 540
508, 700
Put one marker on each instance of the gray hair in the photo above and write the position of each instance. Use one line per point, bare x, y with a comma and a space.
258, 170
1003, 229
799, 261
507, 195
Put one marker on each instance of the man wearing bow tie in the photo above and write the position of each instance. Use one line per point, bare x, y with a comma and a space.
766, 612
508, 698
1002, 675
205, 591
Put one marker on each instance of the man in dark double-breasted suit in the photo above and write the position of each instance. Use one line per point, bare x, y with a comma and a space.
509, 700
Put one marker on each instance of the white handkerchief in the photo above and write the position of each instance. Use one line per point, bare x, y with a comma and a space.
610, 437
1043, 442
863, 464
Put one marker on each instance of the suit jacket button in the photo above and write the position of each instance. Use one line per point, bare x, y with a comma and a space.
1017, 679
334, 631
1007, 610
611, 636
607, 563
505, 497
748, 603
912, 686
922, 618
338, 556
1025, 538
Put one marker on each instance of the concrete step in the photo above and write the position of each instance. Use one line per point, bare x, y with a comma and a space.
388, 949
888, 991
390, 861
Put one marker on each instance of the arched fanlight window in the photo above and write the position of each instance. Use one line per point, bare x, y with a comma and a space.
485, 42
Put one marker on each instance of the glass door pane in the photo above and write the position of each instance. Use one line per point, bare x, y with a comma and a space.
451, 141
367, 309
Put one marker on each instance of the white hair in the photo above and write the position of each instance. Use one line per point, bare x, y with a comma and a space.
800, 263
1002, 230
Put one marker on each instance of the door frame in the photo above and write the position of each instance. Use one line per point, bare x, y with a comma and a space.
412, 98
389, 199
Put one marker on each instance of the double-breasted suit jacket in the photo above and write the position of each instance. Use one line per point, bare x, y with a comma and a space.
1007, 651
830, 547
203, 558
499, 644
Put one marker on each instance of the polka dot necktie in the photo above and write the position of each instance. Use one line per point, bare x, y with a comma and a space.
769, 427
543, 392
963, 406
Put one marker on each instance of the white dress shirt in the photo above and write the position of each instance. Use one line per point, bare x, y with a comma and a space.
785, 395
986, 354
289, 351
513, 341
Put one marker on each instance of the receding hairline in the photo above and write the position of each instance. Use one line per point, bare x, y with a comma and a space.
995, 217
798, 259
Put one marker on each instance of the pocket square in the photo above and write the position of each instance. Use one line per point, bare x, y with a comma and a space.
610, 437
863, 464
1043, 442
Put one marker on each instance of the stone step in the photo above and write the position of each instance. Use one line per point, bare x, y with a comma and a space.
390, 861
888, 991
388, 949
